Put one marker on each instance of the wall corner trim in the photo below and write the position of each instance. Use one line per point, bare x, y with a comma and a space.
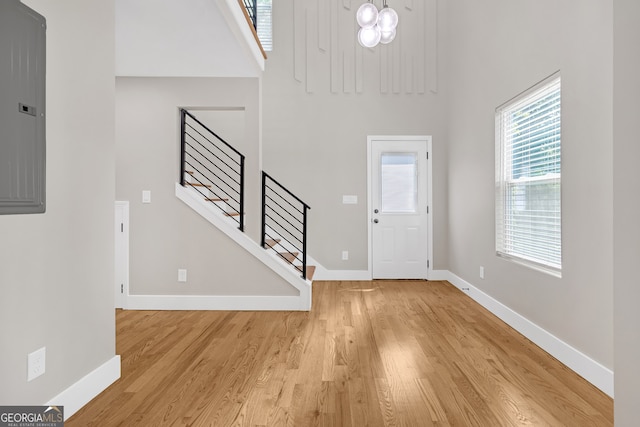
597, 374
86, 388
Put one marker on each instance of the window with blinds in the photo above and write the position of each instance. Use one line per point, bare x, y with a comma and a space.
264, 24
528, 177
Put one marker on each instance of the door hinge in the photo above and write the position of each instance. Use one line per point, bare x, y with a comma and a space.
122, 227
122, 288
427, 155
427, 209
428, 263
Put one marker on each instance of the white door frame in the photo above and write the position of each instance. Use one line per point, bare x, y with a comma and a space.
121, 254
423, 138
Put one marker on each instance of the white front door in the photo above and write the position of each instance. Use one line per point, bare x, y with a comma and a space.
399, 207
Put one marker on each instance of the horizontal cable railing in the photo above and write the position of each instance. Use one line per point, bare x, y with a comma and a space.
284, 223
212, 167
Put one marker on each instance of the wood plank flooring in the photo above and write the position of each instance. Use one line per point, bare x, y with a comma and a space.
381, 353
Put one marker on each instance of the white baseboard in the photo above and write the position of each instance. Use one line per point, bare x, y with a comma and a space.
597, 374
218, 302
341, 275
88, 387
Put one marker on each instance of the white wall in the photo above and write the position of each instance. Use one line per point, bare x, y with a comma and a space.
323, 94
56, 269
626, 177
498, 48
166, 235
196, 38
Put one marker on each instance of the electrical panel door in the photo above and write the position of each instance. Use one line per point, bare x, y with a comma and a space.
22, 109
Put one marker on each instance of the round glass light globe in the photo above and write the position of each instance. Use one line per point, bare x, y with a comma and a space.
387, 36
387, 19
367, 15
369, 37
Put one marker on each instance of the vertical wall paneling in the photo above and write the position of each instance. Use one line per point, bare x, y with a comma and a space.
335, 54
347, 40
359, 67
420, 65
311, 51
408, 72
431, 43
347, 74
324, 22
325, 40
384, 69
396, 59
299, 40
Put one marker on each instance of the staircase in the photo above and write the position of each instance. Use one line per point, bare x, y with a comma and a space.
212, 180
285, 250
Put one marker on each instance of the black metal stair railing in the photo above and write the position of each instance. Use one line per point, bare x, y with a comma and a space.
284, 223
252, 10
215, 168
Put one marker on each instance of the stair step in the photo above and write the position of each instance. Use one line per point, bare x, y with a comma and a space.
189, 172
311, 269
197, 184
289, 256
232, 214
269, 243
213, 199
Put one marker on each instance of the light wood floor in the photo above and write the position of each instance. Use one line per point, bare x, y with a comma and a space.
382, 353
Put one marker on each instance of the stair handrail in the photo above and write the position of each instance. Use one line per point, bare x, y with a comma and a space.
266, 178
240, 163
250, 11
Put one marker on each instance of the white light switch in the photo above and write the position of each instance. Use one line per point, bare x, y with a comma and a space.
349, 200
146, 196
182, 275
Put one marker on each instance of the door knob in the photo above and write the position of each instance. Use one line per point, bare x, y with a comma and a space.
375, 221
375, 211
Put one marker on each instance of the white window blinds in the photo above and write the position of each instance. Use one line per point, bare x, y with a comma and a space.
528, 177
264, 26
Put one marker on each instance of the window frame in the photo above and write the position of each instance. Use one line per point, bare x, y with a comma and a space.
531, 249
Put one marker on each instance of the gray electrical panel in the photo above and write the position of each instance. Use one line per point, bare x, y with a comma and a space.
22, 109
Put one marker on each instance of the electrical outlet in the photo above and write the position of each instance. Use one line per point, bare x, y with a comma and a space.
182, 275
36, 362
345, 255
481, 272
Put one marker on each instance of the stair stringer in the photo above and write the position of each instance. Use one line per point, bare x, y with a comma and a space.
229, 227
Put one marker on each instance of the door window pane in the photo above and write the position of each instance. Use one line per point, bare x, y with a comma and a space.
399, 182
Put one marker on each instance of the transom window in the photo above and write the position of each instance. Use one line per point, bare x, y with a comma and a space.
528, 177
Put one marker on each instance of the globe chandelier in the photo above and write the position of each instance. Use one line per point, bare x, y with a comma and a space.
376, 26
